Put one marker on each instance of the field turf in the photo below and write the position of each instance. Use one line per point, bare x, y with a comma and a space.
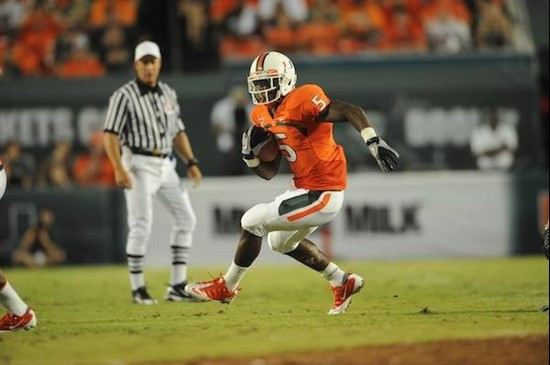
86, 317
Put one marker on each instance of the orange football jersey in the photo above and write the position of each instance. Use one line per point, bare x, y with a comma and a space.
317, 162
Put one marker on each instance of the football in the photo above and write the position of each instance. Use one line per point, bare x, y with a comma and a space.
269, 149
264, 144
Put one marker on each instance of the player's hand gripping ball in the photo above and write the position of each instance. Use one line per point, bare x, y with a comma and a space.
257, 142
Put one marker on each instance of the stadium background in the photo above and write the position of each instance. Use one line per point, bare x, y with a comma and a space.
425, 95
59, 64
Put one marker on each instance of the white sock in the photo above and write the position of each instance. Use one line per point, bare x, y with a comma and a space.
135, 266
334, 274
179, 274
11, 300
137, 280
179, 264
234, 275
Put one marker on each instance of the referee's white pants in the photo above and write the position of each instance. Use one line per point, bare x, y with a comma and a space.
291, 217
156, 176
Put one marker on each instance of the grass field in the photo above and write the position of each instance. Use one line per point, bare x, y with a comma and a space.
85, 315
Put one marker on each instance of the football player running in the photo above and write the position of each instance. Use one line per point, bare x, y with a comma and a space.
19, 314
301, 118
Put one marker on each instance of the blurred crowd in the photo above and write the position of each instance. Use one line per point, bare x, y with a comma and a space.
61, 168
89, 38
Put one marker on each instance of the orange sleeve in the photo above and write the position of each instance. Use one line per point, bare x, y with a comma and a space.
260, 116
254, 116
313, 101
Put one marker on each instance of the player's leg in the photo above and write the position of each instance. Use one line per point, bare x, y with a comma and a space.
281, 214
254, 225
305, 219
545, 235
19, 314
139, 203
175, 199
250, 243
294, 244
225, 288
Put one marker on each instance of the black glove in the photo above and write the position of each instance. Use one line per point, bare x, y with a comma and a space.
253, 139
386, 157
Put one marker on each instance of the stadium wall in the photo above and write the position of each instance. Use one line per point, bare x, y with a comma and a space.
398, 216
410, 215
427, 105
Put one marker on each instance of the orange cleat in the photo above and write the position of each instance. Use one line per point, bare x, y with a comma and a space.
343, 293
214, 289
11, 322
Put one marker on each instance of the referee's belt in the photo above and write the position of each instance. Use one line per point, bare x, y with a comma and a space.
140, 151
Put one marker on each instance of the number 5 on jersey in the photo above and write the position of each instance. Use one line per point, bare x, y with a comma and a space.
319, 102
290, 154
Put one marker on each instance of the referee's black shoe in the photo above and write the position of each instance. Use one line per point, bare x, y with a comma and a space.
176, 293
141, 296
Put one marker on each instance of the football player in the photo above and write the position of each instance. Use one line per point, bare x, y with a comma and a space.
301, 119
19, 314
545, 240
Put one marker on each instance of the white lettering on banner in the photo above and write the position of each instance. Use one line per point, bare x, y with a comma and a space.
441, 127
36, 127
42, 128
62, 119
7, 126
89, 121
25, 128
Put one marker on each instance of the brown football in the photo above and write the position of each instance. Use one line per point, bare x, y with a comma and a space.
269, 150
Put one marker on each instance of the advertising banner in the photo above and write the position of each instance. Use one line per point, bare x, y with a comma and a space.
395, 216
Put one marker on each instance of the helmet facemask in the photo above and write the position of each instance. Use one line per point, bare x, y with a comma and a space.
264, 88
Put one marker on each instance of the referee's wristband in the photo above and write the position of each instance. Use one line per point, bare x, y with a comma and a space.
368, 133
192, 162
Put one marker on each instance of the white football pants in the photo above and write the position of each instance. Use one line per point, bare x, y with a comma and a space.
155, 176
292, 216
3, 182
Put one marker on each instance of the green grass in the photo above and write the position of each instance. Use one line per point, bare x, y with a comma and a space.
85, 315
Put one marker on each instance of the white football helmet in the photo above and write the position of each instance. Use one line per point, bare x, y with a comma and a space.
272, 76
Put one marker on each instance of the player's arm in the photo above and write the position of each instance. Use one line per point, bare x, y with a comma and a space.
337, 111
112, 148
253, 140
115, 122
183, 148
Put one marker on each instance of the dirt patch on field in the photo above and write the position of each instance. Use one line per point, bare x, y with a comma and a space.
529, 350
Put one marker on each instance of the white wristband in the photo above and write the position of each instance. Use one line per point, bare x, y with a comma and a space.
252, 163
368, 133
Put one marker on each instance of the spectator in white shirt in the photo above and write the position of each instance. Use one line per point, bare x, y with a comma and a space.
448, 33
296, 9
230, 116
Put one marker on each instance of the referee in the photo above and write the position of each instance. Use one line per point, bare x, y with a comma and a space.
142, 128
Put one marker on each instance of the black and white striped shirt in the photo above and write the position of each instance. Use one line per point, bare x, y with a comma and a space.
144, 117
